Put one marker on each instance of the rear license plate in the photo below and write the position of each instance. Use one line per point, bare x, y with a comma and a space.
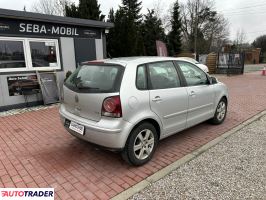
77, 128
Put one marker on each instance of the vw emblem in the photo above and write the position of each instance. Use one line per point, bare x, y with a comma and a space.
76, 98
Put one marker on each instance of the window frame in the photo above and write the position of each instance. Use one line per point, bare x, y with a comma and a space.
57, 53
27, 54
149, 84
183, 76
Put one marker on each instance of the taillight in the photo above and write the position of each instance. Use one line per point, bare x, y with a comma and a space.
112, 107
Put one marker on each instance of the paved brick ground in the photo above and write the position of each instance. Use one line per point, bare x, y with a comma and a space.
36, 151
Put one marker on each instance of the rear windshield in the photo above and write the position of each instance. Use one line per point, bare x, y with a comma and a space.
96, 79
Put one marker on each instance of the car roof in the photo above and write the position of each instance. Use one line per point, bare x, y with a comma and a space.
124, 61
189, 59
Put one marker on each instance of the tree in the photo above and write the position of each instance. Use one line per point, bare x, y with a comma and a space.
260, 42
50, 7
132, 8
132, 37
202, 27
90, 9
240, 40
161, 12
152, 30
111, 37
115, 39
126, 38
174, 36
72, 10
111, 16
87, 9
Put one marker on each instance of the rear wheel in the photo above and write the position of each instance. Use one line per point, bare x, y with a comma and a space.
220, 112
141, 145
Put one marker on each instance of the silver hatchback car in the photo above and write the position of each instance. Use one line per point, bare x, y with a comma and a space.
129, 104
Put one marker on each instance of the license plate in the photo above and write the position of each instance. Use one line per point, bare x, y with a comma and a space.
77, 128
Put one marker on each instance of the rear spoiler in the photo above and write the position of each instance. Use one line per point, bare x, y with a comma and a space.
93, 62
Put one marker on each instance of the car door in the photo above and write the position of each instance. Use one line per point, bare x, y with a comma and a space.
168, 99
201, 94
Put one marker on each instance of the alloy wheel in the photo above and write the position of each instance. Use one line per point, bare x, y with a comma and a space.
221, 111
144, 144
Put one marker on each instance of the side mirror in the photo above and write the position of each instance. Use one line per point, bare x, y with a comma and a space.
213, 80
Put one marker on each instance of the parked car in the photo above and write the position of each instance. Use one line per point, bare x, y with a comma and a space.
202, 66
129, 104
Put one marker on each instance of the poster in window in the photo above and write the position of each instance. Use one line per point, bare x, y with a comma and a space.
18, 84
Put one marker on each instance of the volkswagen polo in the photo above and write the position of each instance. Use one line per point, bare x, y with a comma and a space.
130, 104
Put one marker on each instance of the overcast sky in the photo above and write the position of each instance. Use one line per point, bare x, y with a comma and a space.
248, 15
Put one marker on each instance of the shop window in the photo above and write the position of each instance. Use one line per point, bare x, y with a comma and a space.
12, 54
43, 54
28, 54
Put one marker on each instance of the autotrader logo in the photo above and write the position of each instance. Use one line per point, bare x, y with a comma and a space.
26, 193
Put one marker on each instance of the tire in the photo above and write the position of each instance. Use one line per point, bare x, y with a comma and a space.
220, 113
143, 138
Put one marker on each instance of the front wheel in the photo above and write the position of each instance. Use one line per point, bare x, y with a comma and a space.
220, 112
141, 145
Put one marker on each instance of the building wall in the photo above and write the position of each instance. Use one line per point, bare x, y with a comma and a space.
72, 50
67, 58
99, 49
104, 46
68, 63
252, 56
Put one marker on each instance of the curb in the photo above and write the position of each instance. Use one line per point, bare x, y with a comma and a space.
167, 170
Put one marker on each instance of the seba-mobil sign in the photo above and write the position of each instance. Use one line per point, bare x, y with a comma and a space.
42, 29
22, 27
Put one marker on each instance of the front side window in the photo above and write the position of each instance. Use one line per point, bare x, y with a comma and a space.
193, 75
95, 79
163, 75
11, 54
43, 54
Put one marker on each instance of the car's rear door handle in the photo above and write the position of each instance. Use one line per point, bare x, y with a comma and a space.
157, 99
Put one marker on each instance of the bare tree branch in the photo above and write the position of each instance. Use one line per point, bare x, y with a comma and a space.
162, 13
240, 39
50, 7
211, 28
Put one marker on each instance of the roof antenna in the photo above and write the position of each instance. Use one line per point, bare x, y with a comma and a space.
109, 55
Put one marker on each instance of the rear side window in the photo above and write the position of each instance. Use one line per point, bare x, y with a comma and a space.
141, 81
163, 75
96, 79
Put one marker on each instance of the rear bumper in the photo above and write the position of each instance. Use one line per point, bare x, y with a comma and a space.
110, 133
